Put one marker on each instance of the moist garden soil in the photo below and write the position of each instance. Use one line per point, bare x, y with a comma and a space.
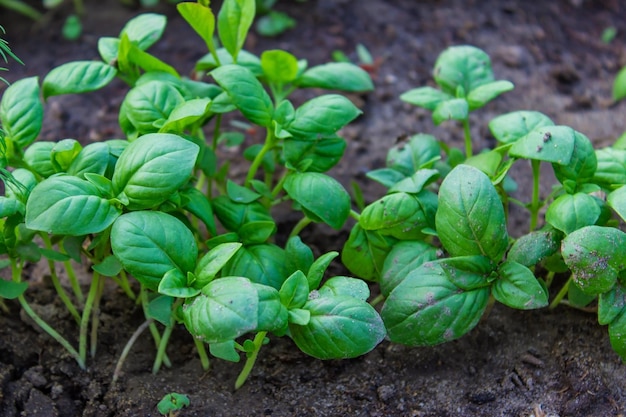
514, 363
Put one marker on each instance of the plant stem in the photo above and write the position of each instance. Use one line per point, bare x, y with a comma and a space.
84, 322
534, 205
165, 339
16, 272
4, 307
125, 285
356, 216
95, 319
304, 222
204, 358
129, 345
78, 293
561, 294
57, 284
143, 295
251, 360
256, 163
468, 138
377, 300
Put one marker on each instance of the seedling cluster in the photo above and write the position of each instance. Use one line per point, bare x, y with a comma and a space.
161, 207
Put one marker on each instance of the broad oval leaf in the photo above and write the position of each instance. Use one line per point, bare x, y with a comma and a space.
509, 127
484, 93
534, 247
400, 215
21, 111
611, 169
453, 109
343, 76
403, 258
318, 155
144, 30
226, 309
470, 219
174, 284
77, 77
272, 314
93, 158
233, 22
234, 216
213, 261
582, 165
617, 335
570, 212
39, 159
421, 151
322, 116
427, 309
465, 67
295, 290
67, 205
340, 327
246, 93
150, 243
547, 143
279, 66
425, 97
201, 19
148, 106
306, 189
595, 255
364, 253
152, 168
262, 264
338, 286
518, 288
611, 304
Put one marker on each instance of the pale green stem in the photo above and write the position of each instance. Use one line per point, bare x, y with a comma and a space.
129, 345
561, 294
95, 319
256, 163
468, 138
534, 205
304, 222
165, 339
17, 277
57, 284
84, 322
78, 293
204, 358
153, 328
251, 360
377, 300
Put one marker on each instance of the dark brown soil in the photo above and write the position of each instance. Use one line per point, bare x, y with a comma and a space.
539, 363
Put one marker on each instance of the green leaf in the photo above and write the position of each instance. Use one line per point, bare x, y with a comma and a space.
399, 215
109, 267
226, 309
619, 85
416, 182
317, 155
338, 286
427, 309
470, 219
299, 255
426, 97
144, 30
152, 168
340, 327
484, 93
509, 127
611, 304
307, 187
342, 76
201, 19
518, 288
93, 158
617, 335
63, 154
21, 112
198, 204
295, 291
108, 47
149, 106
187, 114
67, 205
617, 201
256, 232
551, 144
364, 253
272, 314
465, 67
570, 212
419, 152
160, 309
10, 289
403, 258
172, 402
611, 169
262, 264
467, 272
225, 350
582, 165
246, 93
299, 316
77, 77
174, 284
322, 116
318, 268
233, 22
595, 255
534, 247
240, 194
130, 53
274, 23
453, 109
213, 261
577, 298
244, 59
234, 215
149, 244
279, 66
